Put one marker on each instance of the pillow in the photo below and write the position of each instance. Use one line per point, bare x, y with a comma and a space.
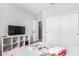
62, 52
57, 51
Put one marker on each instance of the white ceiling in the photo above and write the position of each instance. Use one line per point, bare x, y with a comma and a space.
36, 8
61, 9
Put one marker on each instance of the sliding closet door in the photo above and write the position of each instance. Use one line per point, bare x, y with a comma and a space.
52, 31
69, 30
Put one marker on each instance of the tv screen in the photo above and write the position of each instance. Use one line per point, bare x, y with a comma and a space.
16, 30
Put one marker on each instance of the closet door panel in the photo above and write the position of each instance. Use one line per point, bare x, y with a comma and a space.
69, 30
52, 29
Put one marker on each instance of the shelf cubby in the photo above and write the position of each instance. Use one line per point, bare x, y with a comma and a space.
15, 45
15, 39
10, 43
6, 41
6, 48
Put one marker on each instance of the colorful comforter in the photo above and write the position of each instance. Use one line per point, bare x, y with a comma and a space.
43, 50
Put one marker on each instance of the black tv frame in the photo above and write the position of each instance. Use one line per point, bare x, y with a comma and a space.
17, 30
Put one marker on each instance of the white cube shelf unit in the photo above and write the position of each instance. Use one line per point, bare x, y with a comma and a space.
10, 44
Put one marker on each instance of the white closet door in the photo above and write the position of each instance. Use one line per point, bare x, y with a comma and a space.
69, 30
35, 30
52, 29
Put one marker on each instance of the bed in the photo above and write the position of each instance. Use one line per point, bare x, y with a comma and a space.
24, 51
72, 51
40, 49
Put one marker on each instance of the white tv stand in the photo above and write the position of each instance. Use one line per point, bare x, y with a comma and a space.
10, 44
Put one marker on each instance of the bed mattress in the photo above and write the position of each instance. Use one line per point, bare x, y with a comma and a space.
40, 49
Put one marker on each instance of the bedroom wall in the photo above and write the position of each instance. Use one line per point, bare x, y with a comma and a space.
12, 14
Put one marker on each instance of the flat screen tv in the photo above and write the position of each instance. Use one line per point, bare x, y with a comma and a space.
16, 30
